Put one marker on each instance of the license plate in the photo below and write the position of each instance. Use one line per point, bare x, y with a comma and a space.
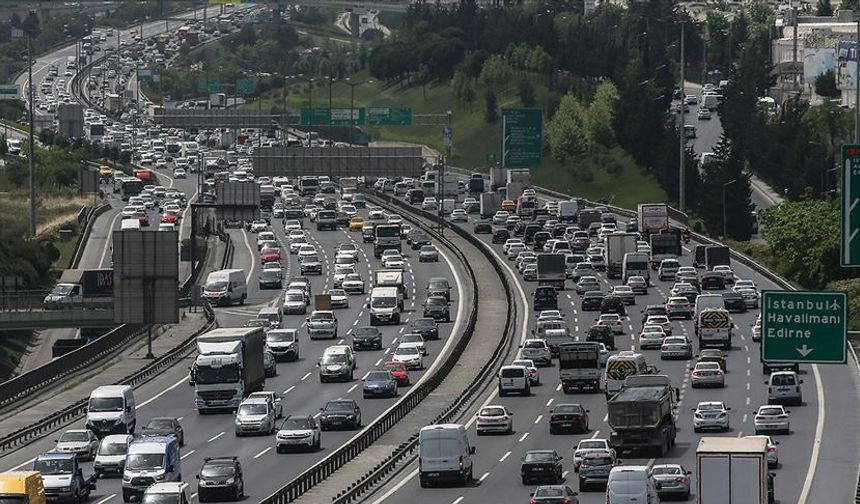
433, 475
538, 469
567, 424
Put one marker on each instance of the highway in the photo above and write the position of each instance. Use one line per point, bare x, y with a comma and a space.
815, 445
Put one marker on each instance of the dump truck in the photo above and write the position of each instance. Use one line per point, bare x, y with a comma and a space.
664, 246
551, 270
617, 245
653, 218
714, 328
24, 487
228, 367
579, 366
642, 415
90, 288
731, 470
63, 477
717, 255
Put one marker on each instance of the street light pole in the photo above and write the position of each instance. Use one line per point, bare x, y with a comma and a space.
857, 84
730, 182
682, 185
31, 156
330, 82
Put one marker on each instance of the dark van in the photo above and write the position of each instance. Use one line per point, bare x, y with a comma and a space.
545, 298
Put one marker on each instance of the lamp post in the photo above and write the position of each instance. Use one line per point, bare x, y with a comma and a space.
730, 182
330, 82
682, 183
31, 155
352, 118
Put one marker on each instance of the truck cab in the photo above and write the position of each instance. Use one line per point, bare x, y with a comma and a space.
63, 478
385, 303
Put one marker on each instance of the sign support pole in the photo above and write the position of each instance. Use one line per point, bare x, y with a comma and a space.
31, 156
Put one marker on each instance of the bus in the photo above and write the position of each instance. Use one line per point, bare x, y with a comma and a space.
130, 186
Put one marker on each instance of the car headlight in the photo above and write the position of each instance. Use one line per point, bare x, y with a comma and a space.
160, 477
126, 477
237, 421
66, 489
231, 481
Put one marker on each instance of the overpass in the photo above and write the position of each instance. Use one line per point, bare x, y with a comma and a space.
55, 319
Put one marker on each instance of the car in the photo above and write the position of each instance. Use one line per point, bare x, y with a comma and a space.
726, 271
366, 337
273, 254
295, 301
339, 298
625, 292
713, 355
494, 418
482, 226
429, 203
595, 468
750, 296
437, 308
676, 347
537, 350
651, 336
546, 315
379, 384
322, 323
356, 223
570, 417
258, 226
510, 242
541, 465
553, 494
672, 480
772, 451
591, 300
415, 340
613, 321
271, 278
410, 356
707, 374
638, 284
712, 280
459, 215
587, 283
391, 259
428, 253
662, 321
272, 398
756, 329
534, 373
530, 273
679, 307
164, 426
179, 173
298, 431
426, 327
711, 415
292, 225
703, 114
500, 236
668, 268
680, 288
587, 446
784, 387
353, 284
399, 371
270, 363
340, 414
420, 240
255, 416
82, 442
734, 302
772, 418
220, 476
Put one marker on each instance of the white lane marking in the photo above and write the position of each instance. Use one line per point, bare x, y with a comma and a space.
564, 474
305, 377
748, 401
168, 389
538, 419
188, 454
745, 418
458, 500
289, 390
109, 497
365, 375
523, 437
605, 417
349, 391
262, 453
109, 237
194, 495
484, 476
317, 415
387, 351
378, 362
216, 436
816, 444
596, 433
179, 418
252, 255
505, 456
550, 401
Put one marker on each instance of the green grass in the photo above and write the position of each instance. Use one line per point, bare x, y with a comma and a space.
66, 249
601, 175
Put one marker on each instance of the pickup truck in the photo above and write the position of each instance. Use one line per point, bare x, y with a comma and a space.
63, 477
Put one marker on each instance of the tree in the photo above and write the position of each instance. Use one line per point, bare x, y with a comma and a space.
825, 85
247, 35
496, 74
824, 8
527, 92
31, 24
4, 147
566, 131
600, 116
727, 174
539, 61
491, 112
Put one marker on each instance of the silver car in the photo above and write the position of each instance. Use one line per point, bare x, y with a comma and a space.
707, 374
711, 415
322, 323
537, 350
673, 480
255, 416
676, 347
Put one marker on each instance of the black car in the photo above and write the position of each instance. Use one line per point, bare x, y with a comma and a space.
653, 310
501, 235
592, 300
340, 414
712, 281
713, 355
529, 233
419, 240
545, 298
220, 476
271, 279
342, 219
734, 302
539, 240
613, 304
164, 426
541, 465
568, 417
520, 228
426, 327
366, 337
482, 226
558, 230
601, 334
436, 307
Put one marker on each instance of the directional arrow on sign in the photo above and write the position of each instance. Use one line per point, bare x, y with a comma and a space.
804, 350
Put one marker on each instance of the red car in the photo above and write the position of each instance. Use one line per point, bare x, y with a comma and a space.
142, 217
170, 218
398, 372
270, 254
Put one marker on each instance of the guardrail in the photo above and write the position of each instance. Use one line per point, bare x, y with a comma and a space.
86, 226
325, 467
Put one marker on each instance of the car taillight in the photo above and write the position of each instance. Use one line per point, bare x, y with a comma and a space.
771, 449
565, 501
532, 501
695, 373
461, 462
681, 479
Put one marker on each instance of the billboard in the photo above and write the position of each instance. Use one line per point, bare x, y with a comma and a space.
339, 162
146, 277
817, 62
238, 201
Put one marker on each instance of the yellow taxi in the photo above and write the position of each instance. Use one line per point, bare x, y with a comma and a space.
356, 223
509, 206
105, 171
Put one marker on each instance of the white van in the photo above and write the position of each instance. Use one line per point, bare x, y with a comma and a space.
705, 301
514, 379
620, 366
110, 459
444, 454
225, 287
384, 306
636, 264
111, 410
631, 485
150, 459
129, 225
783, 387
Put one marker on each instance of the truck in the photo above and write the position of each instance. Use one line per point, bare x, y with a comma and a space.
587, 216
617, 245
551, 270
641, 415
714, 328
89, 288
386, 237
664, 246
63, 477
567, 211
653, 218
267, 196
497, 177
476, 183
392, 278
710, 101
490, 203
717, 255
579, 366
731, 470
24, 487
228, 367
217, 100
449, 186
348, 187
519, 176
514, 190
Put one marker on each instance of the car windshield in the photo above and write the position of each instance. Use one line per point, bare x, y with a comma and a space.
159, 498
366, 331
103, 404
224, 374
216, 285
710, 407
428, 248
144, 461
782, 380
658, 471
339, 406
546, 491
401, 350
295, 297
217, 470
534, 344
54, 466
296, 424
492, 412
113, 448
568, 408
424, 323
334, 359
539, 457
412, 338
322, 317
73, 437
436, 301
770, 411
252, 409
383, 302
378, 376
707, 366
591, 445
163, 423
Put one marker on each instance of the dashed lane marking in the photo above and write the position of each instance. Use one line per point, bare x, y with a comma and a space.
216, 436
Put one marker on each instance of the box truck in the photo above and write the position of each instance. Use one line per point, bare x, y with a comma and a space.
617, 245
731, 470
82, 287
228, 367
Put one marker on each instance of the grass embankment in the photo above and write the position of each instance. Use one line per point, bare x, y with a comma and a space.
601, 175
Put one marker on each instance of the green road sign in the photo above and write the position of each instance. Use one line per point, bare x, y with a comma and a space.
319, 116
389, 116
246, 87
9, 92
522, 137
208, 85
804, 327
849, 248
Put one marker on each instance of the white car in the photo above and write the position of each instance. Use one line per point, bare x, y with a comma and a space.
652, 336
81, 442
295, 301
392, 261
410, 356
429, 203
772, 451
500, 217
534, 373
592, 445
415, 340
178, 173
726, 271
298, 432
292, 225
265, 236
459, 215
711, 415
509, 243
352, 284
772, 418
707, 374
537, 351
348, 249
259, 226
550, 315
743, 284
376, 214
613, 320
494, 418
662, 321
339, 298
515, 249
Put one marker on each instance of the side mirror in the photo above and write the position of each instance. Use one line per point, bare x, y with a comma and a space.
197, 476
471, 450
776, 442
801, 381
588, 411
561, 458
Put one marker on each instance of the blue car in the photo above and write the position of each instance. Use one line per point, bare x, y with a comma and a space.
379, 384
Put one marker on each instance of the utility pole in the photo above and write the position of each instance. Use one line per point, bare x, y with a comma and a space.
330, 141
857, 84
796, 76
31, 156
682, 185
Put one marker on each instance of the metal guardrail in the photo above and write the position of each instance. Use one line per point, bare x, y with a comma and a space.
338, 458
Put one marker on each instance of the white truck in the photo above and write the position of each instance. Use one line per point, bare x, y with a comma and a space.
384, 306
514, 190
731, 470
567, 211
579, 366
519, 176
491, 202
617, 245
653, 218
392, 278
228, 367
497, 177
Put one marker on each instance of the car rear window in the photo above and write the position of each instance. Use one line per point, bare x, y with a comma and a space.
513, 373
778, 380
